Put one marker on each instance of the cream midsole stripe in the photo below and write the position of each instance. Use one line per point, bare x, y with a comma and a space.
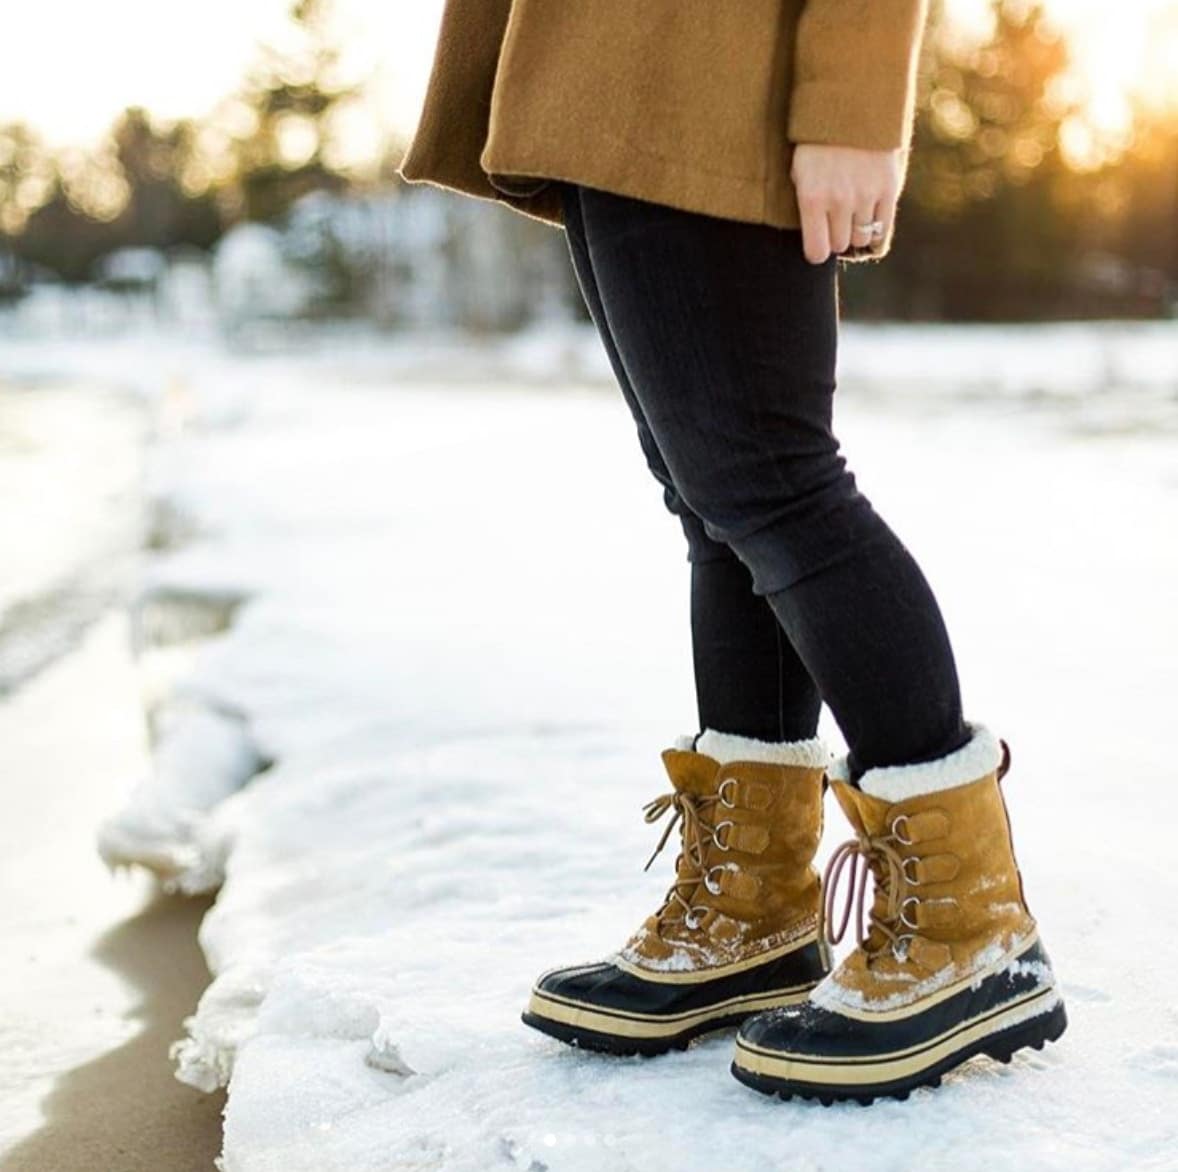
801, 1068
646, 1025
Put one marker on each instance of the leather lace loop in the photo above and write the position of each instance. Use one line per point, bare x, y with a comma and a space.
866, 855
697, 834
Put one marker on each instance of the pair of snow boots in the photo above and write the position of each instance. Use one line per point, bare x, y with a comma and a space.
948, 965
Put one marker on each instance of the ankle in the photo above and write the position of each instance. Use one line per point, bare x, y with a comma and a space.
860, 761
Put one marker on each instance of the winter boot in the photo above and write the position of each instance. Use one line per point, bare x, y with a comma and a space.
737, 931
952, 965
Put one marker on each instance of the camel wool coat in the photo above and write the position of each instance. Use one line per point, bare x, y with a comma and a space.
692, 103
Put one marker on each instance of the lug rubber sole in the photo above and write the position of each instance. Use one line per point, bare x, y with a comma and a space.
624, 1047
624, 1031
1033, 1033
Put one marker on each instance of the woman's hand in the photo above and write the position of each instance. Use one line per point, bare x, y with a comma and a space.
838, 185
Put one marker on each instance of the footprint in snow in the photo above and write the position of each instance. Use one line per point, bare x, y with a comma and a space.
1159, 1059
1088, 994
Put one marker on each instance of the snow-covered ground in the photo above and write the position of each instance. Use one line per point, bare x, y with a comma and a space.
465, 644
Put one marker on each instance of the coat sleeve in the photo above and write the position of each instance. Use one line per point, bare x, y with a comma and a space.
854, 76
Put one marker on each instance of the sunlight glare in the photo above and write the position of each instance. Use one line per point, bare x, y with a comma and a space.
133, 52
1118, 62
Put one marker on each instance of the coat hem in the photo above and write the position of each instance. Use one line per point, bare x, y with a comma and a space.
608, 166
607, 163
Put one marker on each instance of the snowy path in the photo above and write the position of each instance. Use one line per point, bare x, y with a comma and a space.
467, 645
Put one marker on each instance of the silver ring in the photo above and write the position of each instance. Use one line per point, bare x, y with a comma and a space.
876, 227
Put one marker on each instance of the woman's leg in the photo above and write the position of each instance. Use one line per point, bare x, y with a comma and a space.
748, 678
727, 338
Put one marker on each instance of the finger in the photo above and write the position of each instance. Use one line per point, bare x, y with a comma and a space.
886, 214
864, 215
815, 230
839, 214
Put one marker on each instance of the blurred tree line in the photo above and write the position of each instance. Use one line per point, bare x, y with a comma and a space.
999, 219
276, 139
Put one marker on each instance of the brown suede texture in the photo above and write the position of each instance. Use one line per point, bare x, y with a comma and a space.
691, 103
764, 889
966, 902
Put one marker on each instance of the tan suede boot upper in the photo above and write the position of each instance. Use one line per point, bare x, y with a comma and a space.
745, 884
948, 894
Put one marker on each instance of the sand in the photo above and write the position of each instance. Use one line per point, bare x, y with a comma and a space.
99, 970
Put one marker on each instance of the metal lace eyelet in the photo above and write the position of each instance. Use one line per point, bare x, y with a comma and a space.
896, 830
904, 912
712, 889
716, 835
900, 946
904, 871
723, 800
691, 920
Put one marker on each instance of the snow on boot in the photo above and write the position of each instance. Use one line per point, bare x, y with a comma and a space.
952, 964
737, 931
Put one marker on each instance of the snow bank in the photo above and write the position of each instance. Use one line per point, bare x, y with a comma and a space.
465, 645
199, 757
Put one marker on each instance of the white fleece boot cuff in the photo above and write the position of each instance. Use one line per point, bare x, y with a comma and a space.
729, 747
979, 755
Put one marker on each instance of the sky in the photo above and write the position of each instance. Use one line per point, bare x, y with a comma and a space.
146, 52
128, 52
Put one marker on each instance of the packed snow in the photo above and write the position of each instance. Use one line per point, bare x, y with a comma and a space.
463, 646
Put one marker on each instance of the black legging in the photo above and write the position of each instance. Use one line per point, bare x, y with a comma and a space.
723, 339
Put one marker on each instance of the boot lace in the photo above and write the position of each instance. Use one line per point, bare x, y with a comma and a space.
698, 835
876, 856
